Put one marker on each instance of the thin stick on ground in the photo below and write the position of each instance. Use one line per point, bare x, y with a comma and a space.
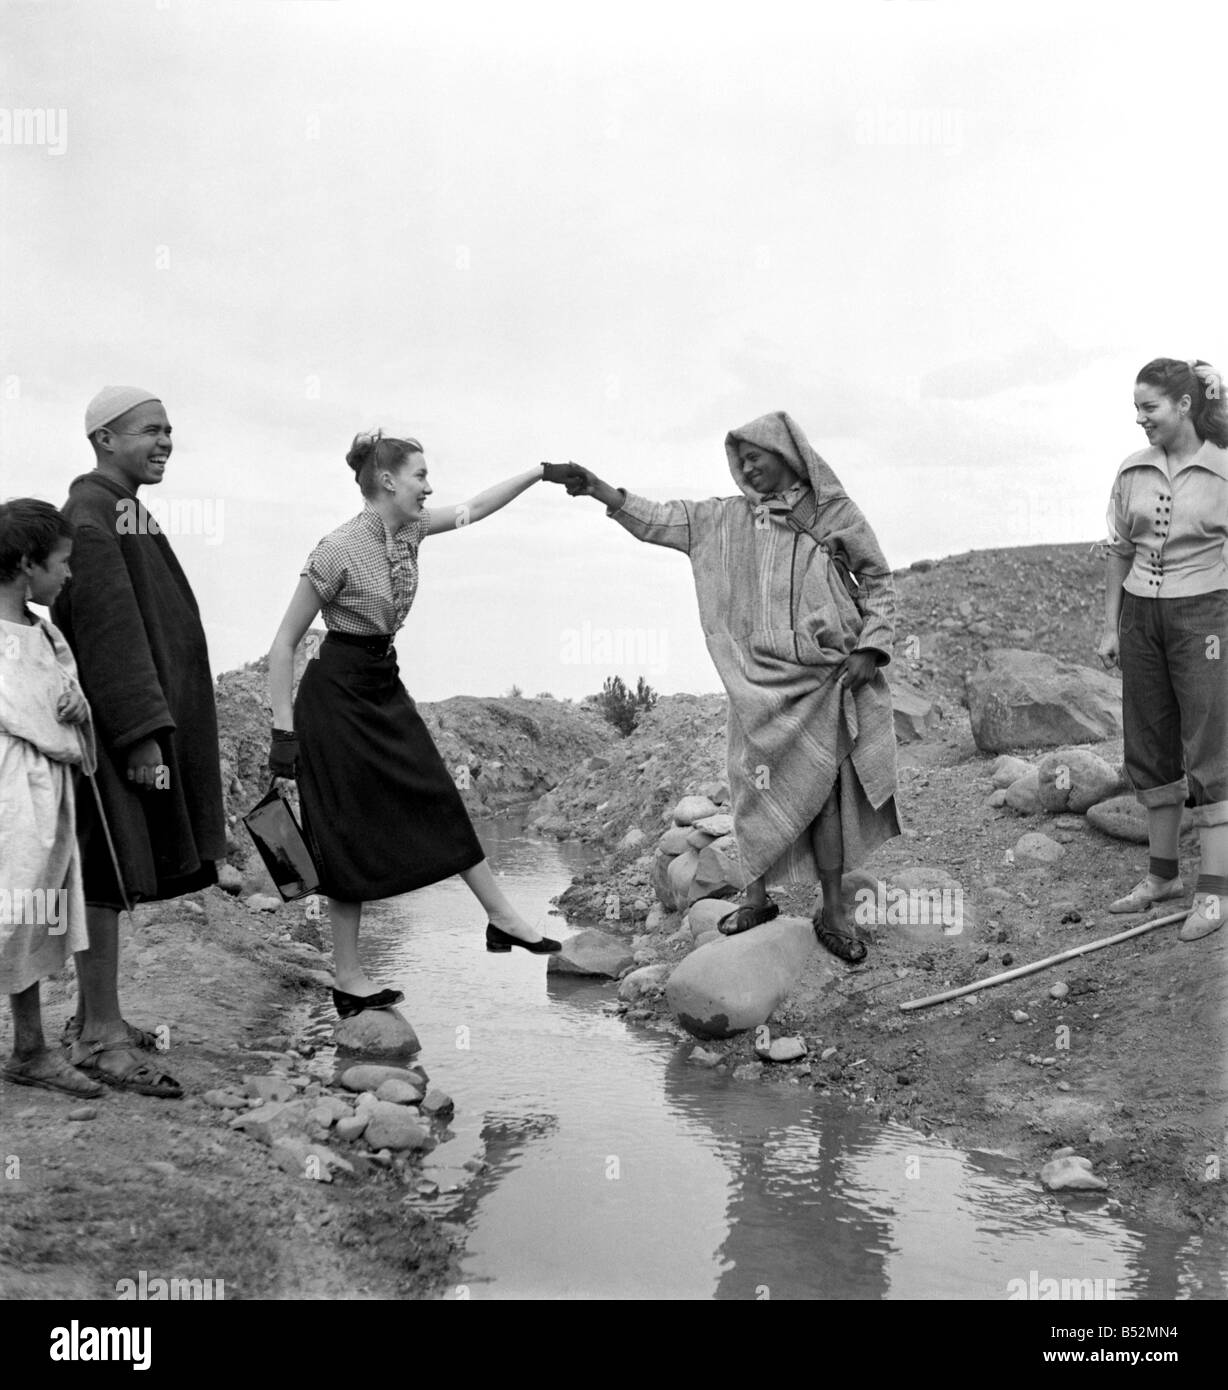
990, 981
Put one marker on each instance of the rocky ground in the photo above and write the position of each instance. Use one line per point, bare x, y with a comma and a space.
1139, 1090
96, 1191
1127, 1066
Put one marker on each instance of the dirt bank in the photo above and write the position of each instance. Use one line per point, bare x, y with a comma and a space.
1138, 1084
167, 1186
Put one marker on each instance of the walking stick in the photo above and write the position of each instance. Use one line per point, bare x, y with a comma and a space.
990, 981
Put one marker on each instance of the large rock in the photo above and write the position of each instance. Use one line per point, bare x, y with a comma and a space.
370, 1077
1125, 819
1070, 1173
735, 982
681, 871
676, 840
693, 808
658, 878
716, 875
1008, 769
1074, 779
377, 1033
717, 825
591, 952
705, 914
277, 1120
1019, 699
648, 981
914, 715
1023, 795
392, 1126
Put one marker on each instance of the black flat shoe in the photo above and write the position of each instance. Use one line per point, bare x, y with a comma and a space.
347, 1005
497, 940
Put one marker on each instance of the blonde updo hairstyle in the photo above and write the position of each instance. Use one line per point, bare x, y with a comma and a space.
374, 450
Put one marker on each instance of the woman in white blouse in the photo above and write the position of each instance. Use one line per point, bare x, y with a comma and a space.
1166, 624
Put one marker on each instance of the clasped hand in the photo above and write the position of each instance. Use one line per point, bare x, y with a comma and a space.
577, 480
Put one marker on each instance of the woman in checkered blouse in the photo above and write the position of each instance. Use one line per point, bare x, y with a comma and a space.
380, 809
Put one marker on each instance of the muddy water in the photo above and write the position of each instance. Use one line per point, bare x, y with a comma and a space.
610, 1168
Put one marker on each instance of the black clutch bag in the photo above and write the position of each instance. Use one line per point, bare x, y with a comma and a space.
280, 842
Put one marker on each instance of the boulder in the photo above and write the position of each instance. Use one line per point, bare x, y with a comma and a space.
370, 1077
591, 952
913, 714
1124, 818
377, 1033
1071, 1173
704, 914
648, 981
681, 871
676, 840
716, 875
1034, 849
400, 1092
350, 1127
1024, 795
1073, 779
693, 808
1008, 769
735, 982
1021, 699
438, 1104
395, 1127
659, 880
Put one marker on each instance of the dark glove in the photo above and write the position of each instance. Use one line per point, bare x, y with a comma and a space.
581, 482
283, 755
560, 472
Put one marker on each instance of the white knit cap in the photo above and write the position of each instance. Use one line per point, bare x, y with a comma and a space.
112, 402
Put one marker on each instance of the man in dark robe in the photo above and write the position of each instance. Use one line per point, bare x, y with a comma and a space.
133, 624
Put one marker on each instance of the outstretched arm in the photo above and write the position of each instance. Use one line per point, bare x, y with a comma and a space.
658, 523
483, 505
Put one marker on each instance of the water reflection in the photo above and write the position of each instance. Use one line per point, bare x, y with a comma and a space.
616, 1169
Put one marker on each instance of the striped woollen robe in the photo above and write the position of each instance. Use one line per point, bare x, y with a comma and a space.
778, 621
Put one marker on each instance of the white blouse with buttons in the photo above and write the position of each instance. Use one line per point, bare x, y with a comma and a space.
1174, 529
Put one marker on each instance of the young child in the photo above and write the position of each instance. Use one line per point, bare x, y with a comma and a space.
45, 731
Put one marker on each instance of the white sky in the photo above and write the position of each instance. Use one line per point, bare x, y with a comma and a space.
943, 236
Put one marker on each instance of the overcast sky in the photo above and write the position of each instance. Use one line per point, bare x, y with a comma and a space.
943, 236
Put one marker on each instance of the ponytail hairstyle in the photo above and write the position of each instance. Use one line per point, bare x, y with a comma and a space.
1202, 383
29, 530
374, 450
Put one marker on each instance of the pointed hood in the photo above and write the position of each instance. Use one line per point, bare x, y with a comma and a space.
781, 434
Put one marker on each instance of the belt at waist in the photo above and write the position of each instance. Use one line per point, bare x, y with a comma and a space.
380, 643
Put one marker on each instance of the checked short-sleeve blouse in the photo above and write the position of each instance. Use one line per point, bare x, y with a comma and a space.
366, 579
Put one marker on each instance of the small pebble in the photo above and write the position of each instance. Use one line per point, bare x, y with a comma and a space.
1019, 1016
83, 1112
828, 1053
1059, 990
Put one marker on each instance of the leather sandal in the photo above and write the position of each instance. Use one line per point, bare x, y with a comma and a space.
849, 948
140, 1038
128, 1074
51, 1072
747, 916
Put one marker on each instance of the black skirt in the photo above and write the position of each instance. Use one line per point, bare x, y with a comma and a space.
380, 810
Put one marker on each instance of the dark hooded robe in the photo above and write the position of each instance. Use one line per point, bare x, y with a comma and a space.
779, 622
131, 619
